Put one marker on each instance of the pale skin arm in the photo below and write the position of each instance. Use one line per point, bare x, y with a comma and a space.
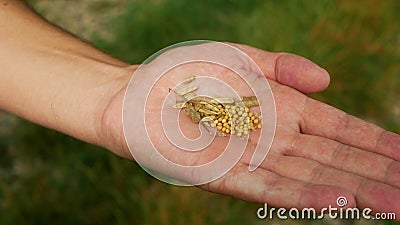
45, 72
53, 79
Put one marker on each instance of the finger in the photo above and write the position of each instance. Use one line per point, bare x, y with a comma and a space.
289, 69
267, 187
377, 196
326, 121
346, 158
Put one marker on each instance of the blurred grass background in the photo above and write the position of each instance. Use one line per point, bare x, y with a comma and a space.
50, 178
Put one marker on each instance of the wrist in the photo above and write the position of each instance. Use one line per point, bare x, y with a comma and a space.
109, 126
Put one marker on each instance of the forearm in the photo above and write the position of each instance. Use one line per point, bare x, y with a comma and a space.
52, 78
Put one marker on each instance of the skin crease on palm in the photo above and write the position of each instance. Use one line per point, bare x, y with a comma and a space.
318, 154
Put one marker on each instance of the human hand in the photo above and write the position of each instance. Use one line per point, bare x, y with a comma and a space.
319, 153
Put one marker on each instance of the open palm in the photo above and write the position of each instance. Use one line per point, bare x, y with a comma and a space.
318, 154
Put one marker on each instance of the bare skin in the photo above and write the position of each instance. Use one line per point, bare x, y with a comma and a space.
319, 152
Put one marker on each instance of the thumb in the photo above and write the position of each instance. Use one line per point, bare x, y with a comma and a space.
289, 69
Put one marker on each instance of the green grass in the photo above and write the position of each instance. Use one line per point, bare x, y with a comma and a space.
49, 178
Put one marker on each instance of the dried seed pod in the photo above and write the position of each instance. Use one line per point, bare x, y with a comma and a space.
207, 119
189, 95
223, 100
187, 90
205, 125
250, 101
209, 112
198, 99
180, 105
195, 115
210, 106
189, 80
